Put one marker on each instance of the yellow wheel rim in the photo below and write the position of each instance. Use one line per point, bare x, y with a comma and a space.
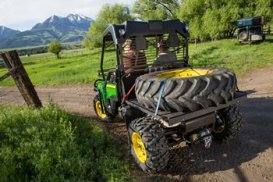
99, 110
139, 147
219, 129
183, 73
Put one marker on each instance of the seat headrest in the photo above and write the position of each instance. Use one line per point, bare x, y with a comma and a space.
141, 43
173, 40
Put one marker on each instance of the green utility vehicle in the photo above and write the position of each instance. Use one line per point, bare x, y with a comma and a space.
165, 103
250, 29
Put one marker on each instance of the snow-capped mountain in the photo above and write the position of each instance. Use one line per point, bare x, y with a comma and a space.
71, 28
67, 23
78, 18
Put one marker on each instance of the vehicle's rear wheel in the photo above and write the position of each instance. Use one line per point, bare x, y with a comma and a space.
243, 36
148, 144
186, 89
228, 124
99, 110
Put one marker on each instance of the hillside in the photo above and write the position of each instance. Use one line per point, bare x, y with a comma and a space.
81, 66
6, 32
72, 28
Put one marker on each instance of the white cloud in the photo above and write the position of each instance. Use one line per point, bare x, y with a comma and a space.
23, 14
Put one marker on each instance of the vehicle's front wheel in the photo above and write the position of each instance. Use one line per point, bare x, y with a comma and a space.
99, 110
228, 124
148, 144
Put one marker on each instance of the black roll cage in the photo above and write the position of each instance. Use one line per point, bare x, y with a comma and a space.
118, 33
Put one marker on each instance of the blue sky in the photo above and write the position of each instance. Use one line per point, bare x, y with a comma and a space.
23, 14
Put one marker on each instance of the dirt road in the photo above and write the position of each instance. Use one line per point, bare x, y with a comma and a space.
247, 158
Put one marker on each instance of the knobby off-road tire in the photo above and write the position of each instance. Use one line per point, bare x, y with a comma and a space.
148, 144
97, 105
187, 92
231, 124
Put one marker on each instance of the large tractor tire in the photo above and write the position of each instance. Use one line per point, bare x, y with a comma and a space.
228, 124
148, 144
186, 89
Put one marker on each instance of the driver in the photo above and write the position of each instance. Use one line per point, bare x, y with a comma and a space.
165, 57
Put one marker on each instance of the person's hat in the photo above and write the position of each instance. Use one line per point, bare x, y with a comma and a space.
162, 43
127, 42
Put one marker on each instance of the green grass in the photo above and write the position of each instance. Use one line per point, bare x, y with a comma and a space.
45, 69
242, 58
81, 66
50, 144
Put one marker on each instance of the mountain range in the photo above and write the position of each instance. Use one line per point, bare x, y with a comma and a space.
71, 28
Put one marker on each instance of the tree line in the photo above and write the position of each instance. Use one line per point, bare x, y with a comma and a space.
207, 19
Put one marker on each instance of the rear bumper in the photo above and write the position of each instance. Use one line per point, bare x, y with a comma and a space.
190, 120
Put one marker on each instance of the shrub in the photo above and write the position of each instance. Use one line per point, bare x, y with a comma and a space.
55, 48
50, 144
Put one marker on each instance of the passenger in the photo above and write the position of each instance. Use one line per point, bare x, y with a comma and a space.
128, 56
165, 57
132, 59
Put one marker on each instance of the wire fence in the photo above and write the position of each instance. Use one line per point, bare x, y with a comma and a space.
51, 56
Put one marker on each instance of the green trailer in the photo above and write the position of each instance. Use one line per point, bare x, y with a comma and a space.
250, 29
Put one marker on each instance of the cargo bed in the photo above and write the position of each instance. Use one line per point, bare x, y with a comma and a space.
177, 118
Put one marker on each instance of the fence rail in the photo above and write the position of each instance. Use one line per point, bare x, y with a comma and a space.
20, 76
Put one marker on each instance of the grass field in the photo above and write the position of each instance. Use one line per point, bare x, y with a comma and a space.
242, 58
81, 66
50, 144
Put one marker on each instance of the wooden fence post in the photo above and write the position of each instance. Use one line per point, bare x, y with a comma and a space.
21, 78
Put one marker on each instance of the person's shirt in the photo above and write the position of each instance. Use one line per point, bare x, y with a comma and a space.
165, 59
127, 61
134, 61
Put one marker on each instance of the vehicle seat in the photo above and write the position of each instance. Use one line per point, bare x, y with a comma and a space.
173, 40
